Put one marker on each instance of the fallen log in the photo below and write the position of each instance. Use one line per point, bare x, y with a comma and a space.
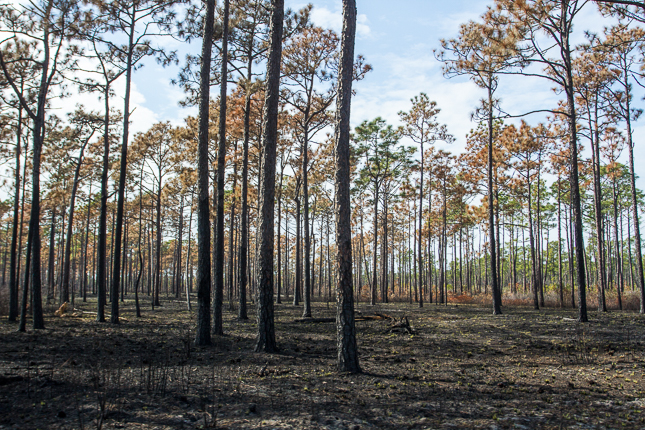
315, 320
379, 316
375, 317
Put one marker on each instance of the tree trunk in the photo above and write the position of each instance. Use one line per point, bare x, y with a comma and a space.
600, 248
203, 335
539, 238
305, 196
116, 272
180, 241
575, 188
231, 237
497, 308
374, 248
70, 224
34, 223
60, 253
266, 328
22, 218
157, 284
188, 265
560, 288
279, 295
102, 245
218, 300
87, 237
25, 290
619, 267
298, 283
244, 221
345, 324
51, 262
384, 253
13, 264
640, 279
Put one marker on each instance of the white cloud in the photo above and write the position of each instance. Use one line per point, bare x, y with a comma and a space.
333, 20
451, 23
141, 119
323, 17
402, 77
362, 26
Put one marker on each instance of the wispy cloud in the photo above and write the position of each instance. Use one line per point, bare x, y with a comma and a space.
333, 19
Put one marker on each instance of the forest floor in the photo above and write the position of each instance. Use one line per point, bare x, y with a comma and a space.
463, 368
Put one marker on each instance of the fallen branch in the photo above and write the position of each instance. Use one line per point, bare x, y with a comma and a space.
403, 326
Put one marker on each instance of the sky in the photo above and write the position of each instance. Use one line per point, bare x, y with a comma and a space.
398, 41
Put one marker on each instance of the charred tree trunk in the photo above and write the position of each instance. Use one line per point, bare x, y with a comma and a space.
374, 248
52, 255
102, 242
497, 305
203, 335
619, 265
345, 324
307, 239
575, 188
87, 238
266, 328
13, 264
218, 300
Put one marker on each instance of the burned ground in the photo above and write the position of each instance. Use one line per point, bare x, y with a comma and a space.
463, 368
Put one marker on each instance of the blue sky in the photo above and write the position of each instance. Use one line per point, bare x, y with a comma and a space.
397, 39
